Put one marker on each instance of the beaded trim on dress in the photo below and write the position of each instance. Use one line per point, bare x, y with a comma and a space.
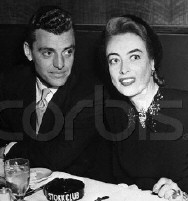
143, 115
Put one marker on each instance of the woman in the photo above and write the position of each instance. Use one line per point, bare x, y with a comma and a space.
154, 155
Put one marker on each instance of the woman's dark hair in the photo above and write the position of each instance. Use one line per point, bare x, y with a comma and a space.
133, 24
49, 18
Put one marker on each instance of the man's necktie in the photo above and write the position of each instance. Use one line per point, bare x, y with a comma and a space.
41, 108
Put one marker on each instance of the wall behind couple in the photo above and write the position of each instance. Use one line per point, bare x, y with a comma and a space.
157, 12
168, 17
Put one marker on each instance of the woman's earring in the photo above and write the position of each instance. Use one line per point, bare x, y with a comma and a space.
152, 72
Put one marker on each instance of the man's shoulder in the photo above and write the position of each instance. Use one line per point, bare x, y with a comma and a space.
15, 71
15, 79
19, 72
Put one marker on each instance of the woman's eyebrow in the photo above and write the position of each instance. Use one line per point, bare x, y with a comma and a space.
112, 54
134, 50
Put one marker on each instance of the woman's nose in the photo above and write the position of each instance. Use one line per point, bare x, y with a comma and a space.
58, 62
123, 68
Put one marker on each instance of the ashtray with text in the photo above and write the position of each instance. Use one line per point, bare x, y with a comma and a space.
60, 189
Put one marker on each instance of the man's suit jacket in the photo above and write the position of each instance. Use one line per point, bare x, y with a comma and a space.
67, 143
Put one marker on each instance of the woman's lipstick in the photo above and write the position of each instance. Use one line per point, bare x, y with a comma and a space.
127, 81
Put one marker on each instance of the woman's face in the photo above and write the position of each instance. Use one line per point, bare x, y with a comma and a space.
129, 64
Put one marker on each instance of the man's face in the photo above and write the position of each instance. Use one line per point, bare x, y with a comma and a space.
53, 56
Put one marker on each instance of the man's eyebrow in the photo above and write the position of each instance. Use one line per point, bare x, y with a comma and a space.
46, 48
71, 46
52, 49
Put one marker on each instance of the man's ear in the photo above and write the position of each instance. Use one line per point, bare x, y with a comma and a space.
27, 51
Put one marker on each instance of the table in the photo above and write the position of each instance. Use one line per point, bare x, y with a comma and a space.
95, 189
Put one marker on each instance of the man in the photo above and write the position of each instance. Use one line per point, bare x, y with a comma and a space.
63, 137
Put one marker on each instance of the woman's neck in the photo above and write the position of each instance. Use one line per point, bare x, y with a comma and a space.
143, 100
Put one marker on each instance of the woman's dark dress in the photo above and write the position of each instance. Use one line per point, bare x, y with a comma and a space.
142, 156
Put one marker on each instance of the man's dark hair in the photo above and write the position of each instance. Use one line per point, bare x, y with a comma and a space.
49, 18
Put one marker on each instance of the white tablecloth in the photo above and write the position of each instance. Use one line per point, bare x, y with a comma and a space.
95, 189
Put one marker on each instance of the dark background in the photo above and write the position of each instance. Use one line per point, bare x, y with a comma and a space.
157, 12
168, 17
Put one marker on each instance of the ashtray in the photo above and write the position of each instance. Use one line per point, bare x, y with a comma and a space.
64, 189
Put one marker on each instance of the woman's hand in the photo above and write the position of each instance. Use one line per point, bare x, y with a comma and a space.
166, 188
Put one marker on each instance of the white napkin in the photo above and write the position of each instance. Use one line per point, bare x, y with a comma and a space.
34, 184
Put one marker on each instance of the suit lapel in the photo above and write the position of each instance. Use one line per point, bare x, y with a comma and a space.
29, 103
59, 105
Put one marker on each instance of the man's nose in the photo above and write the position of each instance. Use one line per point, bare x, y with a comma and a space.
58, 61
